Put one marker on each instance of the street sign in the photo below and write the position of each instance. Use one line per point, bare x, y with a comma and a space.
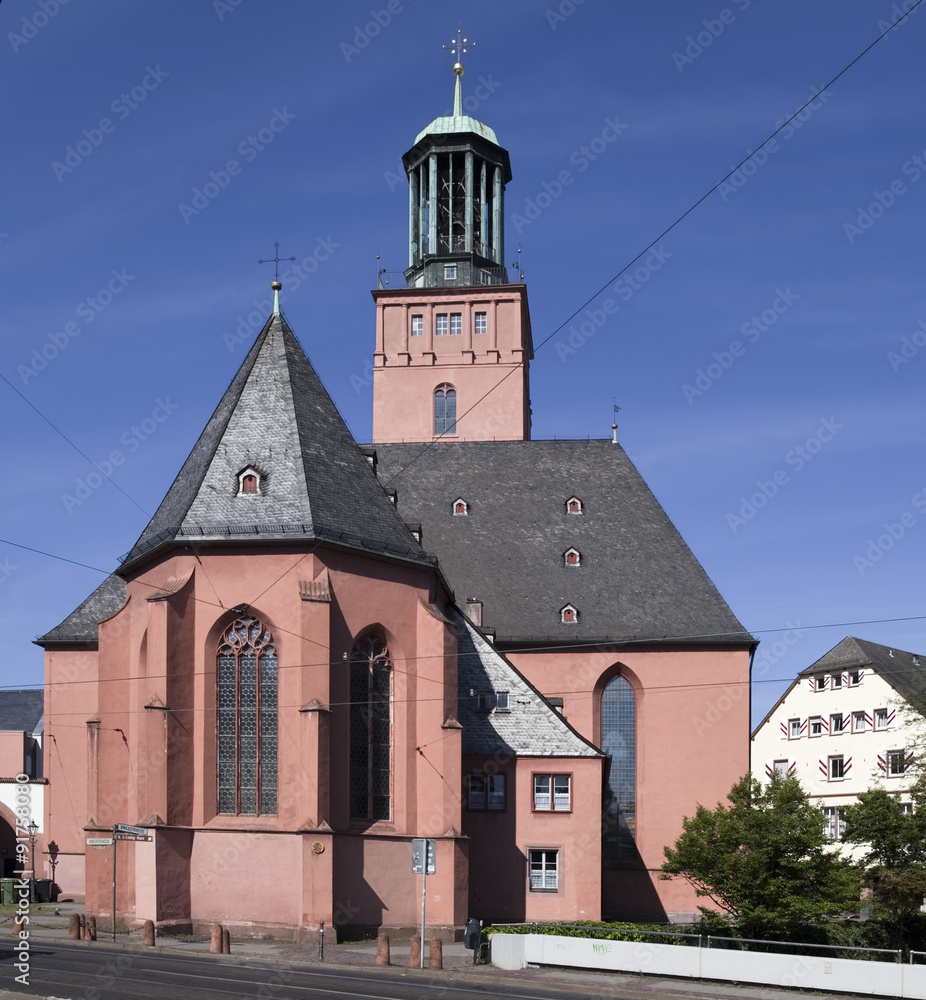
99, 841
132, 836
141, 831
422, 848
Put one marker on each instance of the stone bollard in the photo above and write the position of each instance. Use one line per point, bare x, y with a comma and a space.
414, 953
226, 941
436, 954
149, 933
83, 926
215, 945
74, 927
382, 949
18, 924
91, 928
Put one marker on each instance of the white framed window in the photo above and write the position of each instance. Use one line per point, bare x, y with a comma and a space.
456, 323
450, 272
780, 768
815, 726
502, 701
572, 557
544, 870
480, 323
417, 325
819, 683
573, 505
835, 824
835, 681
460, 507
882, 718
906, 808
837, 767
897, 763
483, 701
441, 324
569, 615
794, 729
855, 678
838, 724
552, 793
859, 722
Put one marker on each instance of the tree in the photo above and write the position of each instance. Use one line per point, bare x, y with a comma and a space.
764, 860
894, 863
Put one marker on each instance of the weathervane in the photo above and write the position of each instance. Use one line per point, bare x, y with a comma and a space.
275, 261
458, 47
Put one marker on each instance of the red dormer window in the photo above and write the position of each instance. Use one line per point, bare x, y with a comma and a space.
249, 482
460, 507
569, 614
573, 505
572, 557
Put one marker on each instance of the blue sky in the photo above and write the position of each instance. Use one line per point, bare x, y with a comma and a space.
810, 261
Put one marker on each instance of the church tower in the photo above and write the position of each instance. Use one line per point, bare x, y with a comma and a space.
453, 335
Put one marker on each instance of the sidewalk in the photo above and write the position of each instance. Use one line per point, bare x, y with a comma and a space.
457, 962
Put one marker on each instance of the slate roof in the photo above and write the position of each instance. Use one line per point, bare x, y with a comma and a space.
905, 672
530, 728
81, 626
21, 711
277, 417
638, 580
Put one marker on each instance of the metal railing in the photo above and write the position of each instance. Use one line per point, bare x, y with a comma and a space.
468, 276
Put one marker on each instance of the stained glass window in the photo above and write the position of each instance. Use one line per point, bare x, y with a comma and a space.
370, 730
246, 725
619, 740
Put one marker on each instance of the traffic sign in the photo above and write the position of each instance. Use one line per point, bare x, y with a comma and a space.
141, 831
99, 841
422, 848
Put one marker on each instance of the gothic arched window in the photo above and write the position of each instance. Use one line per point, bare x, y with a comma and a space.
445, 409
246, 752
370, 730
619, 740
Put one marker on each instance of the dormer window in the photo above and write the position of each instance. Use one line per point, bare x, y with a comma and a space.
573, 505
249, 482
569, 614
460, 507
572, 557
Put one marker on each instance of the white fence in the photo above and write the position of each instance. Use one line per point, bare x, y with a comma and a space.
847, 975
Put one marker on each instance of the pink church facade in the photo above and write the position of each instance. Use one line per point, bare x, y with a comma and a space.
312, 656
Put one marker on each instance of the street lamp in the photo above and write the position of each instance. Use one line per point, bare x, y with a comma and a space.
33, 829
53, 861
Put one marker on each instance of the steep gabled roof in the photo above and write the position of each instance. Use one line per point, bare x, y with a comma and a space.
81, 627
315, 483
905, 672
21, 711
637, 581
530, 728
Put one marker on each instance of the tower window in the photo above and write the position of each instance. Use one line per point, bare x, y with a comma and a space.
456, 323
445, 409
460, 507
569, 614
572, 557
249, 481
417, 325
441, 324
479, 323
573, 505
246, 730
450, 272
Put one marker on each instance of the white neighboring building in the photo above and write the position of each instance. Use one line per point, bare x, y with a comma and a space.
845, 726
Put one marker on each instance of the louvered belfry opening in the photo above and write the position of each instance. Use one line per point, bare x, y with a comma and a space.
370, 730
246, 753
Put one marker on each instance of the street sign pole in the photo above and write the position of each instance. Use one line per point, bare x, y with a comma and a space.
424, 894
114, 884
424, 862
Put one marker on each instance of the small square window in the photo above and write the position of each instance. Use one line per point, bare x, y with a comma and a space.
417, 325
820, 683
456, 323
450, 272
483, 701
835, 681
441, 326
486, 791
794, 729
896, 763
781, 768
816, 726
855, 678
501, 701
837, 768
479, 323
835, 824
837, 724
906, 808
859, 722
552, 792
544, 870
882, 718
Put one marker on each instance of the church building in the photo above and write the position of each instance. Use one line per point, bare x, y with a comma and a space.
317, 651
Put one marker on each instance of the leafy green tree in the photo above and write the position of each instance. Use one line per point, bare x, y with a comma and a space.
894, 863
764, 860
